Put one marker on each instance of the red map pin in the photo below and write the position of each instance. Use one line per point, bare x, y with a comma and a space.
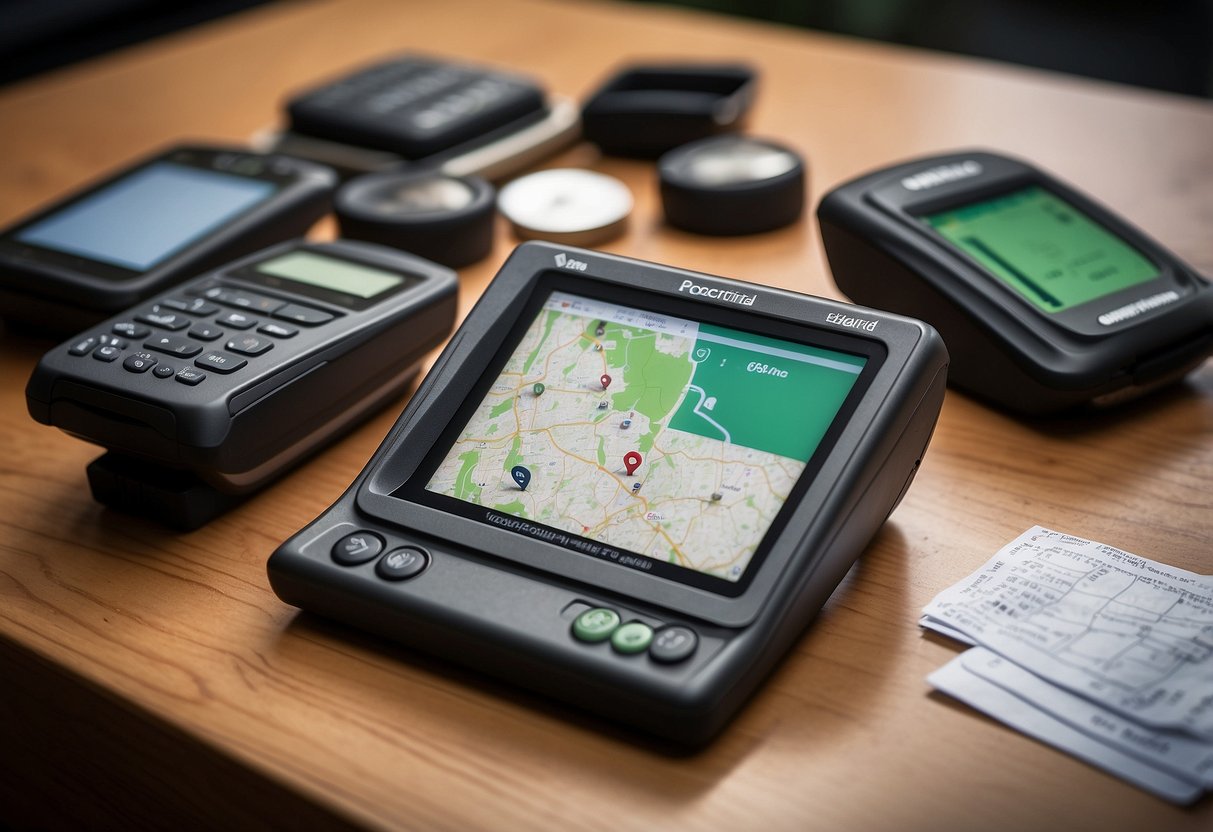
606, 381
631, 461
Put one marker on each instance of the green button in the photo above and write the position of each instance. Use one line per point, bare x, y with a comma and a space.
595, 625
632, 637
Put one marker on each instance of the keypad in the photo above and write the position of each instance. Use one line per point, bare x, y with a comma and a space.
184, 327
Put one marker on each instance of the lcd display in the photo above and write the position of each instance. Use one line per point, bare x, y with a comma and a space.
1043, 248
644, 438
150, 215
330, 273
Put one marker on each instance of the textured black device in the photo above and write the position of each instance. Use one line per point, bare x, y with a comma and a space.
1046, 299
223, 383
646, 109
166, 218
414, 110
626, 485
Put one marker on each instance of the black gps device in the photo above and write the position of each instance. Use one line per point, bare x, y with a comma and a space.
1046, 299
627, 485
166, 218
220, 385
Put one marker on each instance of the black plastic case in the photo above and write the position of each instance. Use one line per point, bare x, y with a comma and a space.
504, 602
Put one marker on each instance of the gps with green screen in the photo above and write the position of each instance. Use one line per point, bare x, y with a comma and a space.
628, 486
1046, 299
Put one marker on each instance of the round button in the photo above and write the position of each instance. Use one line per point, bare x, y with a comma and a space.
447, 219
164, 371
566, 205
139, 362
632, 637
356, 548
595, 625
402, 564
727, 185
673, 644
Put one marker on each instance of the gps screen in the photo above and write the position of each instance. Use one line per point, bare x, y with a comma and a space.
146, 217
1043, 248
640, 437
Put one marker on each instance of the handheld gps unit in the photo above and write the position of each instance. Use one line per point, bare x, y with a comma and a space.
626, 485
167, 218
221, 384
1046, 299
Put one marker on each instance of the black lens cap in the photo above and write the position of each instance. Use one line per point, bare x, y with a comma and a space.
444, 218
730, 185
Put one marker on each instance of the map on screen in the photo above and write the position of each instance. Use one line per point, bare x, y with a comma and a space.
674, 440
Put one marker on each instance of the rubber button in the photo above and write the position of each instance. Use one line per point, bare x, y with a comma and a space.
673, 644
139, 362
356, 548
402, 564
595, 625
632, 637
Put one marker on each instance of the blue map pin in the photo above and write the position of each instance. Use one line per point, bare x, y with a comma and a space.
521, 475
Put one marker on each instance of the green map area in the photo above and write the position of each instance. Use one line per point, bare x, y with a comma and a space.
648, 434
784, 405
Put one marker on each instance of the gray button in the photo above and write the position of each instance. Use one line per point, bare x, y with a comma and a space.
673, 644
400, 564
356, 548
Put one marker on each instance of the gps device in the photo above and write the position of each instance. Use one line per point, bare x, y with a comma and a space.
415, 110
1046, 299
626, 485
162, 220
218, 386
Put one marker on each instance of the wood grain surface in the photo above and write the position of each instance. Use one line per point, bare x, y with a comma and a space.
149, 678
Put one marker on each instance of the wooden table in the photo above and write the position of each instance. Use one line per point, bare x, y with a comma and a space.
152, 676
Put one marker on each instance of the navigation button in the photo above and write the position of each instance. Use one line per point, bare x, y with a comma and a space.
278, 330
82, 347
249, 345
171, 321
236, 320
173, 345
356, 548
673, 644
139, 362
205, 332
402, 564
128, 329
190, 376
595, 625
191, 306
220, 362
246, 300
633, 637
303, 315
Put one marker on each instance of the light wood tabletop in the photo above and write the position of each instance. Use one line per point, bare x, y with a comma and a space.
150, 677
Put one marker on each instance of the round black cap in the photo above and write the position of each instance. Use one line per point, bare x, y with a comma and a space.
447, 219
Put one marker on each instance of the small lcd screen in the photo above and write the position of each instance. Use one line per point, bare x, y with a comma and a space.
1042, 247
150, 215
331, 273
645, 438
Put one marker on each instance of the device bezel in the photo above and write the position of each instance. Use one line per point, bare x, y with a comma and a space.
82, 281
496, 315
997, 176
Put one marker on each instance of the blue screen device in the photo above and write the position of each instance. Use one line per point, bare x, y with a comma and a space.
154, 224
